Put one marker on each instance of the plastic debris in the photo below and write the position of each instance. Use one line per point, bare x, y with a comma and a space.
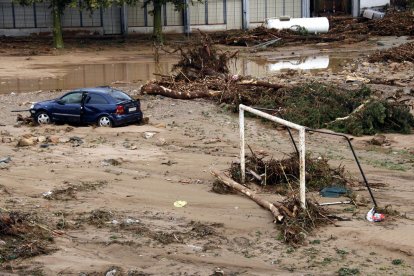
5, 160
333, 192
46, 194
131, 221
148, 135
180, 203
373, 216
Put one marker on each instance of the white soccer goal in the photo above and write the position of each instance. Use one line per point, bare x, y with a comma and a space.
299, 128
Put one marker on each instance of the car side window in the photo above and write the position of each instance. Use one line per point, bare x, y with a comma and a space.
95, 99
72, 98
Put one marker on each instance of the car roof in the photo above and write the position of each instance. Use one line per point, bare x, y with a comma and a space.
98, 89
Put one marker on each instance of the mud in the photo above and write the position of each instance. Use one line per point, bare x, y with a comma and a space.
138, 229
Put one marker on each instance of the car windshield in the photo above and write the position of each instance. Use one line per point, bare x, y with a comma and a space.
120, 96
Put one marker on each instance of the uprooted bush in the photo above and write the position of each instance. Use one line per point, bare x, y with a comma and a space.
316, 105
22, 238
284, 173
201, 59
376, 116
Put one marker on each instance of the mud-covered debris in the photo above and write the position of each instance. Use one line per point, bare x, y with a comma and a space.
24, 120
220, 188
343, 29
284, 173
99, 217
201, 59
111, 162
404, 52
379, 140
76, 141
148, 134
5, 159
70, 190
26, 142
21, 237
295, 229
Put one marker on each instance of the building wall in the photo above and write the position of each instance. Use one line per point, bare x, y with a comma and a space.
210, 15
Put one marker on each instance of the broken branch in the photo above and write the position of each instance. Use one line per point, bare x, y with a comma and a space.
272, 207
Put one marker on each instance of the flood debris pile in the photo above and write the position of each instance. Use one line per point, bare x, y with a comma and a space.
283, 174
282, 177
401, 53
201, 59
315, 105
20, 237
70, 190
296, 228
343, 28
202, 72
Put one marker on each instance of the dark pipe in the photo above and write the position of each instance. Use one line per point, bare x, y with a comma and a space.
355, 157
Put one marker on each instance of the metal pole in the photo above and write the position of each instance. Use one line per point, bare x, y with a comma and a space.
245, 14
242, 150
186, 18
302, 172
355, 157
35, 15
206, 12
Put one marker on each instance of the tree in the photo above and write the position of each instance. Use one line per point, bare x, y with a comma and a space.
57, 8
157, 12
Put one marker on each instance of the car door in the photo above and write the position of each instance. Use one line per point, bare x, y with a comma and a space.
68, 108
94, 105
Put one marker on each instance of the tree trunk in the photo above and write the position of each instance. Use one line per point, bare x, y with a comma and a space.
157, 31
155, 89
272, 207
57, 28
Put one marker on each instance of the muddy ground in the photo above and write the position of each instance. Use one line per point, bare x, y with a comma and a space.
119, 215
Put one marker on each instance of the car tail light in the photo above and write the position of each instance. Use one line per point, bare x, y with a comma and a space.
120, 110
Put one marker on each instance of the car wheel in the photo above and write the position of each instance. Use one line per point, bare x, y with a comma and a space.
42, 118
104, 121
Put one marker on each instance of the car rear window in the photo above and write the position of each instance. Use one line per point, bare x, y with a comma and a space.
120, 96
95, 99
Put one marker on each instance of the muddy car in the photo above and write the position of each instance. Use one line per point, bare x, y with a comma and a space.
103, 106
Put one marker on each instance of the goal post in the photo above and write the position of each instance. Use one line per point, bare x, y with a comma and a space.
302, 153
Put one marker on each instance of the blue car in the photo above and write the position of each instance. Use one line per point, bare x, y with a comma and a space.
103, 105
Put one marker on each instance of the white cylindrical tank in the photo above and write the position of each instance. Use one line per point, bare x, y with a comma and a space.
308, 63
312, 24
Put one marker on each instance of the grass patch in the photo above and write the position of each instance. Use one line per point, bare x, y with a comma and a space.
345, 271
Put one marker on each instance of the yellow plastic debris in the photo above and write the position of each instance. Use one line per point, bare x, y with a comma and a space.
180, 203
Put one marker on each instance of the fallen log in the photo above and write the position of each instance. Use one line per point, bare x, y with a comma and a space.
272, 207
261, 83
155, 89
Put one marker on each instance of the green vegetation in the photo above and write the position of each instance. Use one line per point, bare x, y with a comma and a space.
345, 271
316, 105
397, 262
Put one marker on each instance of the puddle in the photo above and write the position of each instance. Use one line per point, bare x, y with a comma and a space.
89, 75
260, 68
